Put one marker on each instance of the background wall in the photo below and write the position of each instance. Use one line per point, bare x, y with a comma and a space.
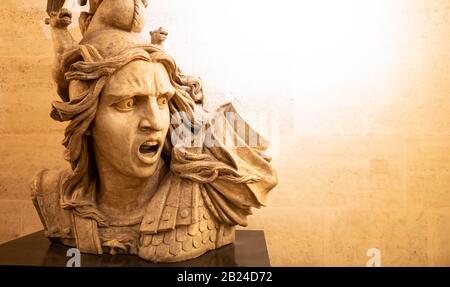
360, 90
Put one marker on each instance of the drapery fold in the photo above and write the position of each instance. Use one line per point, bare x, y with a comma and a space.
239, 175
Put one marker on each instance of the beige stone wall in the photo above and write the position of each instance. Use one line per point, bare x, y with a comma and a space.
29, 139
362, 163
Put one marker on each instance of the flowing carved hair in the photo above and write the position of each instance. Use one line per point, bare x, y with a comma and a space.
88, 66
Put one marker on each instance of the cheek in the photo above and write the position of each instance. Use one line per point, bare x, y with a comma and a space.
112, 133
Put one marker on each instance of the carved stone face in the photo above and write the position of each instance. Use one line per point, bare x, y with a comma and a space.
159, 36
132, 119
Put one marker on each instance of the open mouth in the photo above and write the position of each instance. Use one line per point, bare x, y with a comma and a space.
148, 151
163, 36
65, 15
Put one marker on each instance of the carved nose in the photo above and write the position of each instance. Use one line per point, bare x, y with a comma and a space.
151, 119
150, 124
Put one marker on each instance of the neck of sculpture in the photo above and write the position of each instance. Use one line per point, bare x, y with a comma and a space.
122, 197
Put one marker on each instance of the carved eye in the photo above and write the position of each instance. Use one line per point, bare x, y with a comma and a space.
126, 105
162, 101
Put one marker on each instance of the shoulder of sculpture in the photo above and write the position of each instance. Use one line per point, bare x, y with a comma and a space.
45, 193
246, 150
44, 181
230, 114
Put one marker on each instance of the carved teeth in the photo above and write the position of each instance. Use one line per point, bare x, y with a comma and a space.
149, 147
150, 143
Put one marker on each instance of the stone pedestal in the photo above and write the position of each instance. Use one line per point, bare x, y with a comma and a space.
249, 250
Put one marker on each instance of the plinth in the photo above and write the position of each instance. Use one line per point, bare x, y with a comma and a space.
248, 250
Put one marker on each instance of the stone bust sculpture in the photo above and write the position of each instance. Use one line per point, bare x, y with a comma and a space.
149, 175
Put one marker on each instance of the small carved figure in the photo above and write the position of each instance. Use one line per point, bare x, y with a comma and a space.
159, 36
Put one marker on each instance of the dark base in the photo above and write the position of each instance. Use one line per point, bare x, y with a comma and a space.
35, 249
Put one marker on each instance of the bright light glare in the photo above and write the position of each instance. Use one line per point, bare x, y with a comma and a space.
316, 62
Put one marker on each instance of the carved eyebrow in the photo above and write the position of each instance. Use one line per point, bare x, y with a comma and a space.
169, 94
163, 86
114, 98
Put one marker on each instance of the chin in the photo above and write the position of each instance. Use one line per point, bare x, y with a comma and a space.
145, 171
